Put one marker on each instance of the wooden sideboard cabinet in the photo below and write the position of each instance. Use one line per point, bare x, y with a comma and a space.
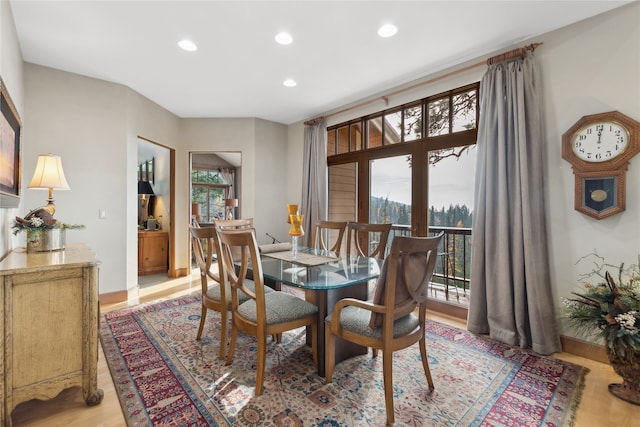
49, 322
152, 252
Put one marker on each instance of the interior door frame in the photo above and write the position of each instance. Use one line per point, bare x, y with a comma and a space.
172, 272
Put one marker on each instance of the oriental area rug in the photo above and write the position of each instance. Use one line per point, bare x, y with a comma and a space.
164, 377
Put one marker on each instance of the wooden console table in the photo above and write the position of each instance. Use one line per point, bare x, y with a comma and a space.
49, 325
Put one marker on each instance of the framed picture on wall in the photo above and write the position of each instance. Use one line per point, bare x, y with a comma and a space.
10, 126
150, 171
145, 171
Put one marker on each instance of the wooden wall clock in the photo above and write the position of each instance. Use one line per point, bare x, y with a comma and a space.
599, 147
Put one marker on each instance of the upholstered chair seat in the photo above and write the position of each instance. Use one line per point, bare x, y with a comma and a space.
280, 307
214, 292
356, 320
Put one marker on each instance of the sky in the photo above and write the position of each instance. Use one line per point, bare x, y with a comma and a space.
450, 180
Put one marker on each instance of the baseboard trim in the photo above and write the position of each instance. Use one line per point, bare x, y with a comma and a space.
584, 349
448, 309
113, 297
178, 272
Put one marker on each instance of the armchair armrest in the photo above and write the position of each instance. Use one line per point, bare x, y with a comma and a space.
353, 302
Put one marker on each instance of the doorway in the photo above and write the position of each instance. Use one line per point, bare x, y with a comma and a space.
215, 185
156, 166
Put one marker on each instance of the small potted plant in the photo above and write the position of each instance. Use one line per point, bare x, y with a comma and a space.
44, 232
611, 309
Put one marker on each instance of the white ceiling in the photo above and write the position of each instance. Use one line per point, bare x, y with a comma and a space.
336, 57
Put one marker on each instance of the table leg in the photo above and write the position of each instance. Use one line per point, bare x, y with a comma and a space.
325, 300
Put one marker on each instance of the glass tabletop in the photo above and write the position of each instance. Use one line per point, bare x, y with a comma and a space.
337, 273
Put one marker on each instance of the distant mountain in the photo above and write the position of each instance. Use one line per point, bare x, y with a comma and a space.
384, 211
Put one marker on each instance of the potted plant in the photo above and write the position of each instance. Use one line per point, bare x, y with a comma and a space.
44, 232
611, 308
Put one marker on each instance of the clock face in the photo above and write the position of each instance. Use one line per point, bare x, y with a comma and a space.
600, 142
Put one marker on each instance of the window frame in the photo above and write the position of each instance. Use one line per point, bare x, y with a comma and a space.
418, 149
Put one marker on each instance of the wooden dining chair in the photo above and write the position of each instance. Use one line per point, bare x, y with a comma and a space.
388, 322
216, 295
368, 240
264, 313
204, 243
234, 224
326, 231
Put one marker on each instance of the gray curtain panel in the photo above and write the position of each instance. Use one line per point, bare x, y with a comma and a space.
313, 204
511, 297
229, 176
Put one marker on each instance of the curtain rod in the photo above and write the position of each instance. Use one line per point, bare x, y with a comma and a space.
521, 52
513, 53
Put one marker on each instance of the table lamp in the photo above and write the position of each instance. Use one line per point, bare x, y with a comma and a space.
146, 191
49, 175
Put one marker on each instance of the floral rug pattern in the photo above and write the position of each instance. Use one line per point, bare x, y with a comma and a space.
164, 377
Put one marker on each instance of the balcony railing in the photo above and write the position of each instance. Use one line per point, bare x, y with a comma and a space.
452, 272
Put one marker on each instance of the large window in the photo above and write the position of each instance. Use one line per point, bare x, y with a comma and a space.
208, 192
390, 189
393, 154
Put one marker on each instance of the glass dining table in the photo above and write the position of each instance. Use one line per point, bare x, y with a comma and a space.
325, 278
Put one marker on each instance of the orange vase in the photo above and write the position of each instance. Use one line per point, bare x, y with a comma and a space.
295, 231
296, 225
292, 210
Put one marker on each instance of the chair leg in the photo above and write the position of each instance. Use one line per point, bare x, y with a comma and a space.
387, 366
203, 317
262, 357
232, 345
223, 334
314, 347
425, 362
374, 352
330, 354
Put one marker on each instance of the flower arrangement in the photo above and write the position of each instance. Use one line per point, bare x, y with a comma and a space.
611, 308
40, 220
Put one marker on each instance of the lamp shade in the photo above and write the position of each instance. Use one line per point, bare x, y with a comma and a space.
145, 188
49, 173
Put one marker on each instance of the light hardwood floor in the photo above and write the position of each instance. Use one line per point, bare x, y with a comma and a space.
597, 408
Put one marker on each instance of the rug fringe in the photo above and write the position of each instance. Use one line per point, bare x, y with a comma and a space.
569, 419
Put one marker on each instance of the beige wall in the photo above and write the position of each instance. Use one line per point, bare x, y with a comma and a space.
271, 179
589, 68
84, 121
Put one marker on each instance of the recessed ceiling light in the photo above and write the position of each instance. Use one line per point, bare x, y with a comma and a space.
284, 38
188, 45
289, 83
387, 30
